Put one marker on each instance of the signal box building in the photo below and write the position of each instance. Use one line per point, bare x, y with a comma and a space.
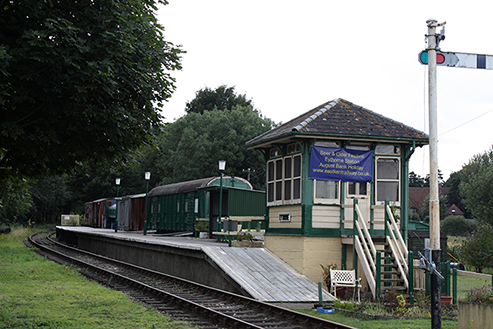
336, 175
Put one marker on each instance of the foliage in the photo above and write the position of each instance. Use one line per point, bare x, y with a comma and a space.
442, 200
326, 273
202, 226
453, 195
416, 180
244, 237
477, 249
79, 80
196, 142
457, 225
475, 186
50, 196
36, 293
222, 98
482, 294
15, 202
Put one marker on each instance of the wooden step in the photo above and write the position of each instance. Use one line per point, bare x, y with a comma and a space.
399, 288
392, 280
391, 273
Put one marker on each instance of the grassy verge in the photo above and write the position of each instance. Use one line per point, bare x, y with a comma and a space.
379, 324
36, 293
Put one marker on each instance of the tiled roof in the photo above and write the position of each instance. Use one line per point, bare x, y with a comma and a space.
342, 118
418, 195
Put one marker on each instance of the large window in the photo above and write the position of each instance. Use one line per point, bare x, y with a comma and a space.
284, 180
326, 191
388, 174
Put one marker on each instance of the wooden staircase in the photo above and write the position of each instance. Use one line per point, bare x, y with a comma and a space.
384, 258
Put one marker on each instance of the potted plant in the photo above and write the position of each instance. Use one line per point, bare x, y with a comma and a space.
203, 228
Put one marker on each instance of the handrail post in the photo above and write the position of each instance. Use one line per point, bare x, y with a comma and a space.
411, 277
355, 255
378, 278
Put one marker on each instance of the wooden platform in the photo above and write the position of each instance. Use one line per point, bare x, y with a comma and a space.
258, 271
264, 275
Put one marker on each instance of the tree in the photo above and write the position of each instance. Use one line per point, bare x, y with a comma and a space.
475, 186
15, 202
453, 195
196, 142
79, 80
416, 180
457, 225
477, 249
222, 98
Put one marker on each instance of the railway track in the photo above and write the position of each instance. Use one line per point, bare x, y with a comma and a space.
183, 300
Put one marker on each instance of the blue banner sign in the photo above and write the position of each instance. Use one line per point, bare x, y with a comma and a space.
327, 163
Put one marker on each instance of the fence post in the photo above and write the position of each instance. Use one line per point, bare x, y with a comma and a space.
455, 286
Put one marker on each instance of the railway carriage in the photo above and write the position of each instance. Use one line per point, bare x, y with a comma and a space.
178, 207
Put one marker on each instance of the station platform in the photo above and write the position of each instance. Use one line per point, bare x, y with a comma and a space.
253, 272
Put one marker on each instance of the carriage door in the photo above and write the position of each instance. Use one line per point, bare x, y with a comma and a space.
361, 192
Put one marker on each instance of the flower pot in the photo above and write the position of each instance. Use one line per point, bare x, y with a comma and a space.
446, 300
204, 235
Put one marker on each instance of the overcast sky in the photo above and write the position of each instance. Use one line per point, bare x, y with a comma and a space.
291, 56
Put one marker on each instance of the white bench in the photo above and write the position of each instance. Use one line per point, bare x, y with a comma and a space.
346, 279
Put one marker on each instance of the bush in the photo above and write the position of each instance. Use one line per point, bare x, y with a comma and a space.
482, 294
457, 225
477, 249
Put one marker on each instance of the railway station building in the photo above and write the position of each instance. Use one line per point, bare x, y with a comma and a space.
338, 193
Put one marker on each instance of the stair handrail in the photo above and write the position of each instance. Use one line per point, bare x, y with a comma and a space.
366, 267
399, 263
367, 234
366, 249
402, 258
397, 230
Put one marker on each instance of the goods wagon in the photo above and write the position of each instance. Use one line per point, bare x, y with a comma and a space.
179, 206
131, 212
100, 213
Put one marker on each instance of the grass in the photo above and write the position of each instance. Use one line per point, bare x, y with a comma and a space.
35, 292
379, 324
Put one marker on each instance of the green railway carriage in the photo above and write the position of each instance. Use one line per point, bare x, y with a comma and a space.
177, 207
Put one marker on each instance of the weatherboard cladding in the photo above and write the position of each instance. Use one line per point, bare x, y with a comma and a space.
340, 117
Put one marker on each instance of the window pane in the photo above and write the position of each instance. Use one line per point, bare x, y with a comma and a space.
297, 189
297, 166
351, 187
387, 169
326, 189
270, 171
278, 191
363, 188
287, 190
387, 149
279, 169
287, 167
388, 191
270, 192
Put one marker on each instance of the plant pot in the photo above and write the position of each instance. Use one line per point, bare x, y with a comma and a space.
446, 300
203, 235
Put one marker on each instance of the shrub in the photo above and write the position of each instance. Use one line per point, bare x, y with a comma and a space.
482, 294
477, 249
457, 225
